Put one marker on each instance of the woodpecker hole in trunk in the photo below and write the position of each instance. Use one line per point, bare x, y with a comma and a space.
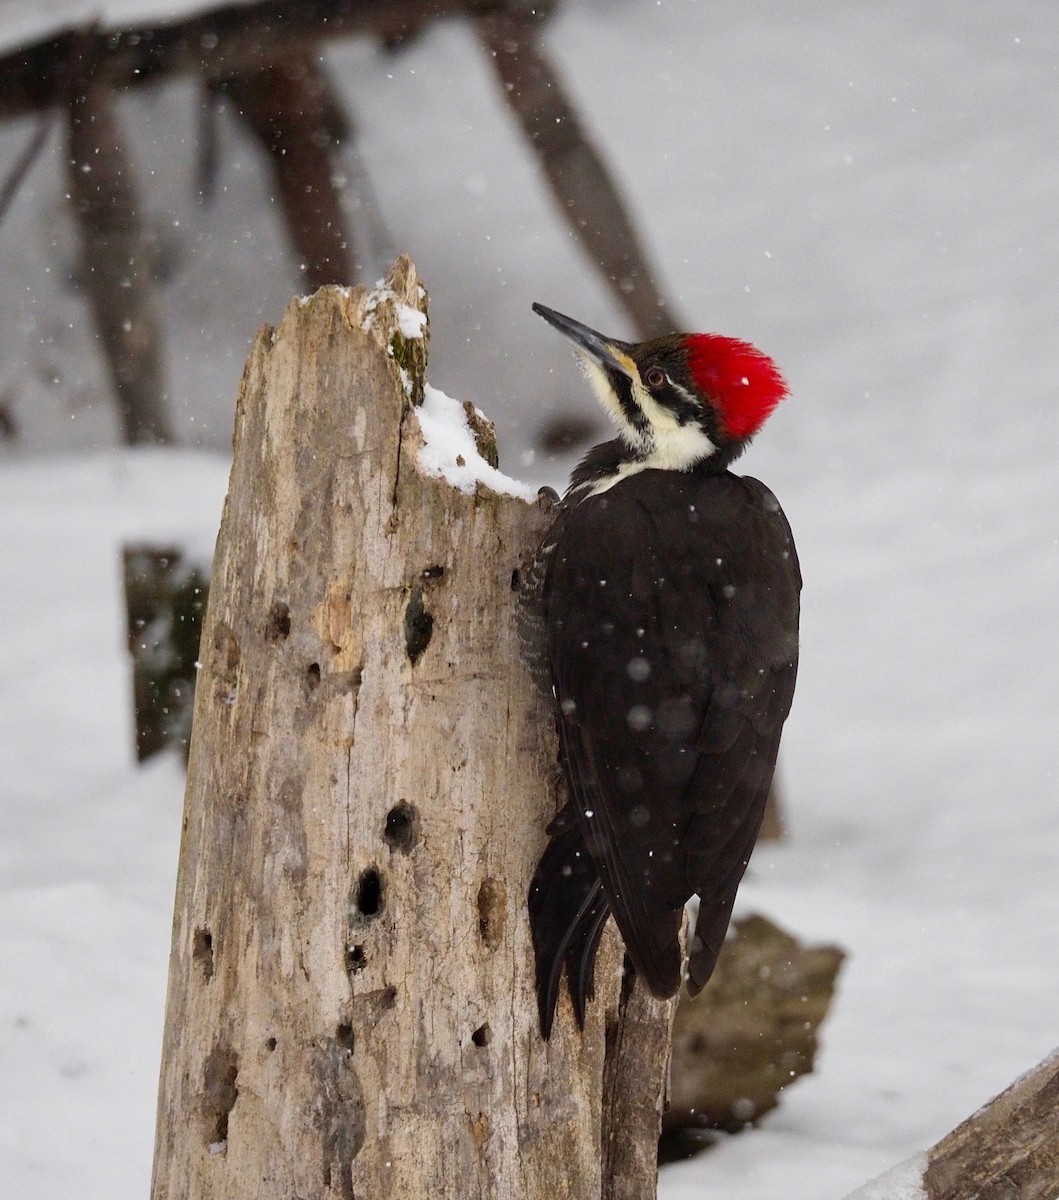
418, 626
402, 827
277, 626
482, 1035
355, 959
492, 912
368, 897
344, 1037
202, 951
219, 1092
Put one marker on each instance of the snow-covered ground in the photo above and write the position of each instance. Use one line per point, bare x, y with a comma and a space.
868, 192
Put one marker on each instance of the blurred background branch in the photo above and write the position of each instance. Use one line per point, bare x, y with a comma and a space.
267, 59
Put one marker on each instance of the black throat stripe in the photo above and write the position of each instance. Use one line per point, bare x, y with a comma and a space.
632, 412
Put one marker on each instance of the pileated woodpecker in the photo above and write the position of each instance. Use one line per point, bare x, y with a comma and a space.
662, 614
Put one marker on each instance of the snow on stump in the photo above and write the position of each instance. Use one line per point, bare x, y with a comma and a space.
351, 1006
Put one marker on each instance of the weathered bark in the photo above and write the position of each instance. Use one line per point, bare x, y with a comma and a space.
351, 1007
115, 263
630, 1161
1009, 1150
582, 186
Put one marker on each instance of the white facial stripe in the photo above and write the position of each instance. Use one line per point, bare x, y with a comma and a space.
607, 482
605, 394
680, 449
659, 417
668, 445
683, 391
674, 447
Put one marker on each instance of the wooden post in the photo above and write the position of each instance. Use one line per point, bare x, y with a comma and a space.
351, 1007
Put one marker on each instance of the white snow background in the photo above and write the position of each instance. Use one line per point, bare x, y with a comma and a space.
869, 192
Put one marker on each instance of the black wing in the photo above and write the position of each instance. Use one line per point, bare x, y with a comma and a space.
672, 610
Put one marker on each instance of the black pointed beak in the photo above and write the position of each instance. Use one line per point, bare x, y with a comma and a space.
608, 352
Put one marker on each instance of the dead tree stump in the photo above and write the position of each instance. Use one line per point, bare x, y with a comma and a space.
351, 1007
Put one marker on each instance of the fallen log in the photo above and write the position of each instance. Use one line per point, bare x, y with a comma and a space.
1007, 1150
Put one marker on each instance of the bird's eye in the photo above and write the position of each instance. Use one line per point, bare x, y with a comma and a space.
655, 377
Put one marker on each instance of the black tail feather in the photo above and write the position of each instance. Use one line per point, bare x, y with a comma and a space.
567, 913
581, 955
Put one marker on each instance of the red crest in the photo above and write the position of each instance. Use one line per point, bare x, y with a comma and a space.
743, 384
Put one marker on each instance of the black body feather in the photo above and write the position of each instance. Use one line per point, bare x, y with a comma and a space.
664, 610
